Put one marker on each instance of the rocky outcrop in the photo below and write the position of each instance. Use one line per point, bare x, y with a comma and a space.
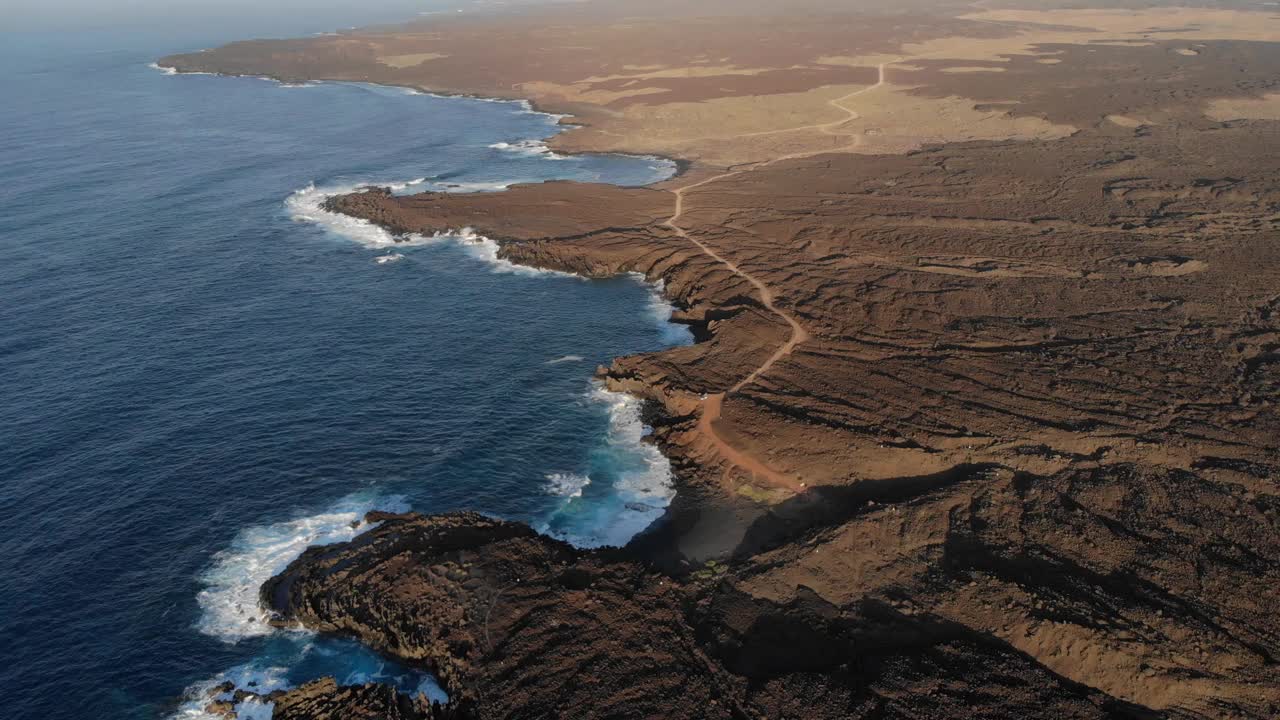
517, 625
324, 699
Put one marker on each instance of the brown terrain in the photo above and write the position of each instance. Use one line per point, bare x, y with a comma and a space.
982, 420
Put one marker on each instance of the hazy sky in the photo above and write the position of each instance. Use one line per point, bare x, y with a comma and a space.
263, 17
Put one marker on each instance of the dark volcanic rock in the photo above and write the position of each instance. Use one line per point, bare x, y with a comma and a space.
520, 625
324, 699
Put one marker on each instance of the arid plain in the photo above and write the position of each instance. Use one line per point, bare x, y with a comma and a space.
982, 420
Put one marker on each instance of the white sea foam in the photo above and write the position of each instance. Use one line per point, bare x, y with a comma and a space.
661, 311
269, 673
307, 205
250, 676
651, 483
528, 148
566, 359
526, 108
642, 487
568, 485
486, 250
388, 258
229, 600
175, 71
406, 184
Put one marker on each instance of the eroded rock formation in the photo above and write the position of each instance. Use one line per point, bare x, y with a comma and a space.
520, 625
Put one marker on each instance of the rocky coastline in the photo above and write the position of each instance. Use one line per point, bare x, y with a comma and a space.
1023, 462
515, 624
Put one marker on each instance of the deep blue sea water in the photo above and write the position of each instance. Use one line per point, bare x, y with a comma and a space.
203, 372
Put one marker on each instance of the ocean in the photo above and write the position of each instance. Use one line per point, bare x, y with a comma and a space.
204, 372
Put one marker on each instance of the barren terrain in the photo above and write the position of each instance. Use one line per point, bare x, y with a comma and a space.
989, 308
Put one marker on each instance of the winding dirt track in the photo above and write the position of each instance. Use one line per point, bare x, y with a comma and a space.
711, 405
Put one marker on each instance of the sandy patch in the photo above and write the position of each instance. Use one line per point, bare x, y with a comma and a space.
409, 60
721, 131
1096, 27
1170, 23
691, 71
972, 69
548, 92
858, 60
731, 131
892, 120
1169, 267
1127, 121
1266, 107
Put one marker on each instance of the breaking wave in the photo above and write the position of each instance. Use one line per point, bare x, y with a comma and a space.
568, 485
528, 148
630, 481
229, 601
307, 205
661, 311
250, 676
486, 250
294, 661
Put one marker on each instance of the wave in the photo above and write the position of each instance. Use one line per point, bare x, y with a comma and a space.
163, 69
568, 485
528, 148
649, 480
407, 184
633, 490
229, 601
486, 250
565, 359
251, 676
661, 311
307, 205
293, 661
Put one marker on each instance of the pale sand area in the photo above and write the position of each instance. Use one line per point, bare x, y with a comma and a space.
736, 130
409, 59
713, 95
1266, 107
750, 129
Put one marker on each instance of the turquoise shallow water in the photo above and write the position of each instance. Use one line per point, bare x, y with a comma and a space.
203, 373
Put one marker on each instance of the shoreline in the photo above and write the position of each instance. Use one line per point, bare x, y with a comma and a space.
682, 166
657, 412
654, 413
670, 411
993, 293
700, 333
214, 691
